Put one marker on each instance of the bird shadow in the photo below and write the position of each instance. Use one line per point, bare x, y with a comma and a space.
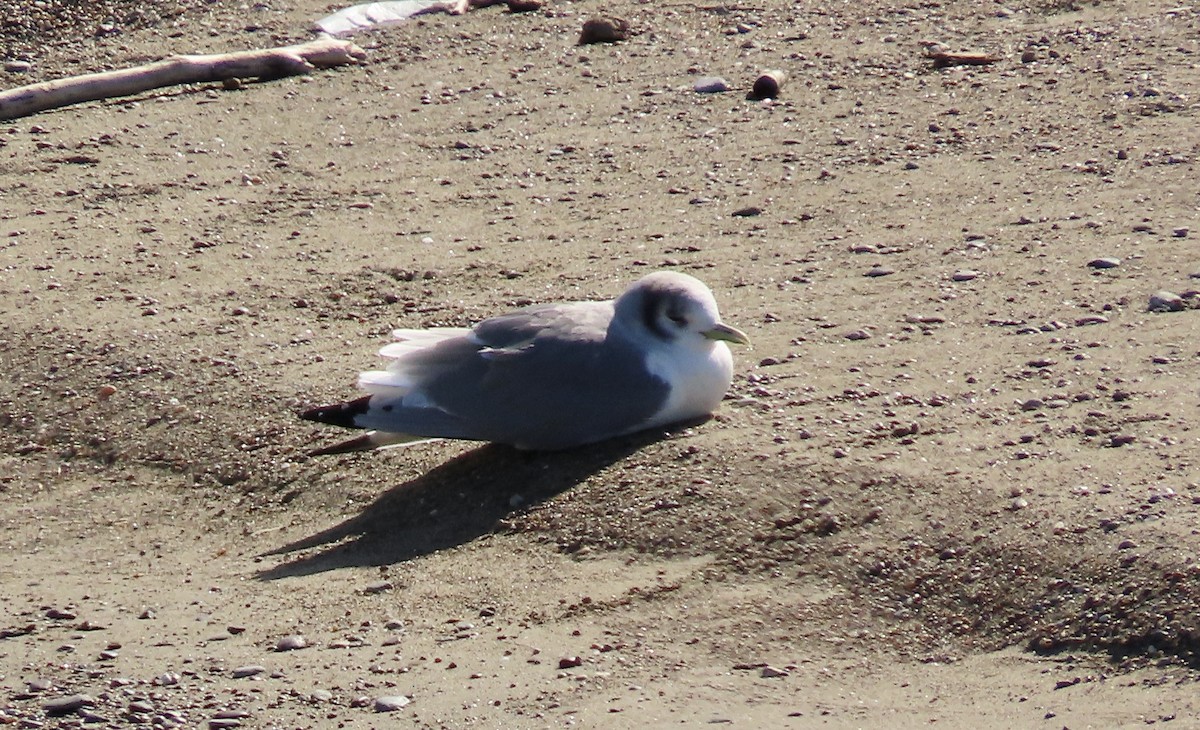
451, 505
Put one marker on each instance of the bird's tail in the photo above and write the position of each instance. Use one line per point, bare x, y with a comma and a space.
344, 415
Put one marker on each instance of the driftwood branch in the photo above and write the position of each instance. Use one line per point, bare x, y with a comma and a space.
192, 69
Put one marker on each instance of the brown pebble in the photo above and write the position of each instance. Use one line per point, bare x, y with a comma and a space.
768, 84
569, 662
524, 6
603, 30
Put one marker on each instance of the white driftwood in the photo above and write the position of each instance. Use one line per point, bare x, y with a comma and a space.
191, 69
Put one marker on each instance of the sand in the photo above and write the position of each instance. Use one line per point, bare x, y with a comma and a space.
955, 481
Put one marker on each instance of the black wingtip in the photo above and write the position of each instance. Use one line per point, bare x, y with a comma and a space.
340, 414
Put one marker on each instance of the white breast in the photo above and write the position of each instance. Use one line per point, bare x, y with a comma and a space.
698, 380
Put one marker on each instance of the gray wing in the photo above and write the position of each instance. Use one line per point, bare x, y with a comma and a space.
544, 377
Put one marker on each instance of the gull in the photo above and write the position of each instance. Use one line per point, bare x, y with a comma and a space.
549, 376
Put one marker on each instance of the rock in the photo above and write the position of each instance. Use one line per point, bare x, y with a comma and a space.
570, 662
964, 275
67, 705
379, 586
291, 643
18, 67
391, 703
768, 84
248, 671
1107, 262
710, 85
876, 271
857, 335
770, 672
748, 212
524, 6
320, 695
1091, 319
1165, 301
603, 30
1181, 232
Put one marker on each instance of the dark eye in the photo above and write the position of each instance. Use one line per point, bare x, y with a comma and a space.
677, 318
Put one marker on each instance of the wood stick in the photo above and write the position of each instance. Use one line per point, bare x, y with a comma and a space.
270, 63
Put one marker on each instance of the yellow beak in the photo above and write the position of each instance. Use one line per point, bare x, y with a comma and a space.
728, 334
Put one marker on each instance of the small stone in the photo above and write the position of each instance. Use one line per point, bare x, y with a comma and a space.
1126, 545
291, 643
857, 335
1119, 440
1165, 301
1032, 404
67, 705
524, 6
570, 662
748, 212
603, 30
710, 85
1028, 56
59, 614
1091, 319
41, 684
379, 586
1019, 503
219, 723
1180, 232
1107, 262
877, 271
770, 672
390, 703
320, 695
18, 67
248, 671
768, 84
964, 275
104, 392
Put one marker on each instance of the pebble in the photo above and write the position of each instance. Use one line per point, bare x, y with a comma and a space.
290, 643
1165, 301
68, 704
390, 703
41, 684
217, 723
18, 67
964, 275
248, 671
857, 335
875, 271
1107, 262
379, 586
770, 672
320, 695
603, 30
569, 662
1181, 232
710, 85
59, 614
768, 84
1091, 319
